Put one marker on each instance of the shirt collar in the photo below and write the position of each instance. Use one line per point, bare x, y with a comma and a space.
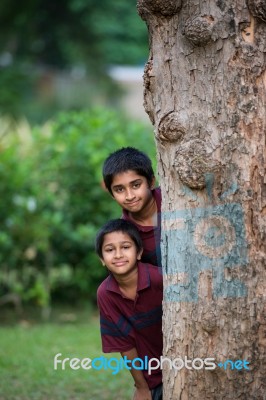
143, 279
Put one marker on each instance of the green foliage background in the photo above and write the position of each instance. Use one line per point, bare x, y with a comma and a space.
53, 202
62, 32
41, 39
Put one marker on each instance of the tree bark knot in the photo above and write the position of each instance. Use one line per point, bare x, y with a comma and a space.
199, 30
170, 128
193, 164
209, 324
165, 8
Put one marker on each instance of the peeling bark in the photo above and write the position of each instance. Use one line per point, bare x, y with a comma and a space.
205, 93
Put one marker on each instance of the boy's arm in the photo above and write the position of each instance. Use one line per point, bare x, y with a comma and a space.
142, 391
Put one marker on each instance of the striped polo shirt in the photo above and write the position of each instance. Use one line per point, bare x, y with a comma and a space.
127, 323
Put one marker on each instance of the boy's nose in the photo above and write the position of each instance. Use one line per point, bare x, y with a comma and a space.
118, 253
129, 195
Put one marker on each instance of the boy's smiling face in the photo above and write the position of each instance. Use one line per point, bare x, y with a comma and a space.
131, 191
119, 253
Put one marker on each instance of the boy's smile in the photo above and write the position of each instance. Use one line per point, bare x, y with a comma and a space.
119, 253
131, 191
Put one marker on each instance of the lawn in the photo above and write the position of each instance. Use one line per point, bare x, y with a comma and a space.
27, 351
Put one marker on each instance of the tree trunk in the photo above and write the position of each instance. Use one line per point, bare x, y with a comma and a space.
205, 84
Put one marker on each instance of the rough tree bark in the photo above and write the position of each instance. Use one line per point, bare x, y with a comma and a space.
205, 93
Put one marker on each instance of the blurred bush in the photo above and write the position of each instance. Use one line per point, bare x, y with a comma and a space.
53, 202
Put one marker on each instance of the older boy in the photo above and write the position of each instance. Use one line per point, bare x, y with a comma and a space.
130, 304
129, 177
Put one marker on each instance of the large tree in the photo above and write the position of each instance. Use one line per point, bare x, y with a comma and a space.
205, 84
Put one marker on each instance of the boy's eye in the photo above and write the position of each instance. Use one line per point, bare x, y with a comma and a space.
136, 185
108, 250
119, 190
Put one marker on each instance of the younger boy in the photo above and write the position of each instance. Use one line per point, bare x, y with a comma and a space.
129, 177
130, 304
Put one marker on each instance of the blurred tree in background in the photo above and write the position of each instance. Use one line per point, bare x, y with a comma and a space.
52, 203
79, 38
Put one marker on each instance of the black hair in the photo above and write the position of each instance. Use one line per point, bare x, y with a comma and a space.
118, 225
123, 160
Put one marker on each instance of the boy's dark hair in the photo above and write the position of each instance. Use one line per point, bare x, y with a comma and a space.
117, 225
123, 160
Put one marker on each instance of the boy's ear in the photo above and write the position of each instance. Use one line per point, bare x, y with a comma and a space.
103, 263
139, 255
153, 181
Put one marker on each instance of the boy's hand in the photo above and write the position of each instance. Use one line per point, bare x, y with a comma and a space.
142, 391
142, 394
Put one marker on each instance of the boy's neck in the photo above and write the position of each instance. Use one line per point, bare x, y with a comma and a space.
147, 216
128, 283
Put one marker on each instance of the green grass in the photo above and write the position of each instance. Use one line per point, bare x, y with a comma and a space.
27, 351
